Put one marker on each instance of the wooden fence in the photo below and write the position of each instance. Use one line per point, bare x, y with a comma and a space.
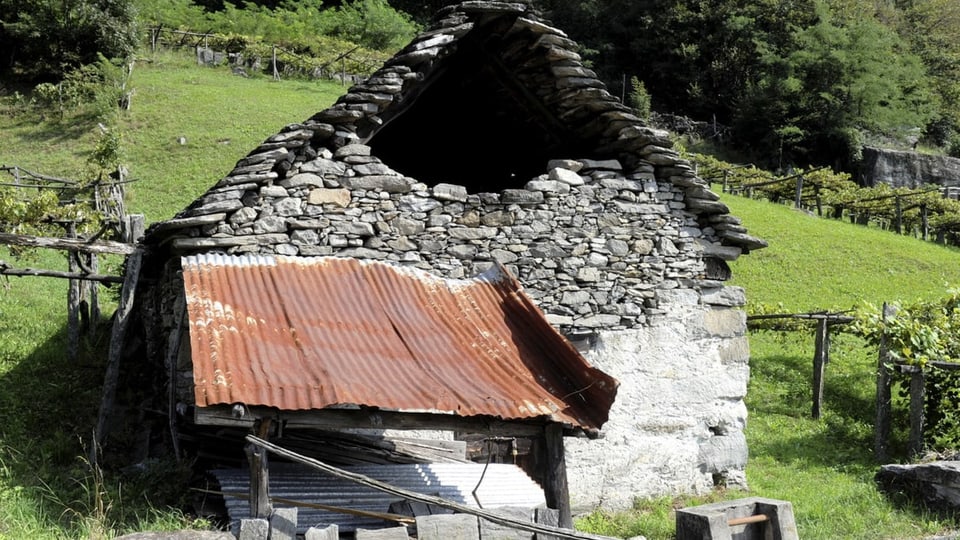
821, 354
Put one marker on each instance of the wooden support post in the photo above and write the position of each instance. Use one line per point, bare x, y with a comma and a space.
93, 293
821, 356
259, 474
112, 374
798, 198
917, 394
555, 478
73, 300
881, 433
173, 355
924, 222
899, 222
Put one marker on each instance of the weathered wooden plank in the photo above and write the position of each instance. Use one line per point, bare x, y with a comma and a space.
881, 435
819, 365
72, 244
555, 482
260, 505
224, 415
120, 323
39, 272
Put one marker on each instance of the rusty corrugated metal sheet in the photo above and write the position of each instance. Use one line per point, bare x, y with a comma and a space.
300, 333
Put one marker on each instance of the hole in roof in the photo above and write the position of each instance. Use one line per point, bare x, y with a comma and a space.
475, 124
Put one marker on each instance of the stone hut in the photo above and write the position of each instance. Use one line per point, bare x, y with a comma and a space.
486, 141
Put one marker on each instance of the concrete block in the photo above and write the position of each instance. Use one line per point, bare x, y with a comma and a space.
490, 530
393, 533
719, 521
254, 529
283, 524
448, 527
331, 532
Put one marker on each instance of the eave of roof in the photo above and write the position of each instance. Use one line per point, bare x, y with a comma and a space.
300, 333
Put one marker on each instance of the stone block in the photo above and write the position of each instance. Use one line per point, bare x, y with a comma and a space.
254, 529
331, 532
448, 527
392, 533
283, 524
735, 351
491, 530
336, 197
725, 322
724, 453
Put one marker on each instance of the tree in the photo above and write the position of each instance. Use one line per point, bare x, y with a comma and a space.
834, 81
46, 38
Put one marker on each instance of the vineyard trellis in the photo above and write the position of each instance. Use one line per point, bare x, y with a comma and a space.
926, 212
85, 214
821, 355
345, 62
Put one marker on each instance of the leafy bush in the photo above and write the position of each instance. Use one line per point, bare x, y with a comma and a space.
918, 335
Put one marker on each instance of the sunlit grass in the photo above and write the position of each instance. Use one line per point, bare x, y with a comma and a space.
825, 467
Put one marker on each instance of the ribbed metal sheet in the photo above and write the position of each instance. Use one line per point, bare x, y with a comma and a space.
500, 485
301, 333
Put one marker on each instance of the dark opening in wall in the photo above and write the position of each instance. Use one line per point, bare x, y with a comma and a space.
474, 124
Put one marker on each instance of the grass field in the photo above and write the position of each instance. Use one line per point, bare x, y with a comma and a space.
825, 468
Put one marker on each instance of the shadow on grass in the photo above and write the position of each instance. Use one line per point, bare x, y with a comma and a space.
48, 129
842, 437
50, 407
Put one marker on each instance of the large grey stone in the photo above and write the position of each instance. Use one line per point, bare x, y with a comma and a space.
448, 527
283, 524
935, 484
392, 533
489, 529
254, 529
330, 532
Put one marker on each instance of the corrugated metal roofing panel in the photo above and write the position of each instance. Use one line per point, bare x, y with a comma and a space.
300, 333
497, 485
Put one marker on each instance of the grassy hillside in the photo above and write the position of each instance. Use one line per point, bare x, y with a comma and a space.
48, 490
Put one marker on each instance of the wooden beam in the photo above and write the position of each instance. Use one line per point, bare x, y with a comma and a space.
84, 246
39, 272
333, 419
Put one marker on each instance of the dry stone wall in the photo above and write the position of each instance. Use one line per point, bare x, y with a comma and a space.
590, 242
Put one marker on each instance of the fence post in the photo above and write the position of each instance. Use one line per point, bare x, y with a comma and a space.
798, 199
917, 394
924, 222
881, 434
73, 300
899, 207
821, 356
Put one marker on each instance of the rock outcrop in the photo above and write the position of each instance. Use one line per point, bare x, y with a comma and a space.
900, 168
